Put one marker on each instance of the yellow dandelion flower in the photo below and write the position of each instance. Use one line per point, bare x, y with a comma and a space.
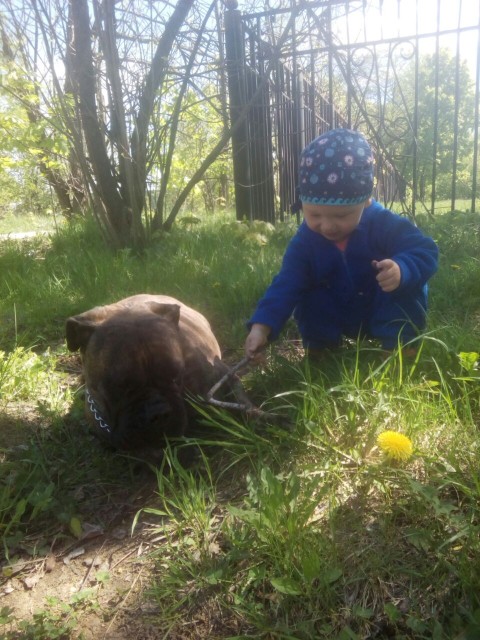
395, 445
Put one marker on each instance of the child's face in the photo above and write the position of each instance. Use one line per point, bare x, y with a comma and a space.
333, 222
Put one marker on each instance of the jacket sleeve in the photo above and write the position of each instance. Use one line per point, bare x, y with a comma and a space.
286, 289
415, 253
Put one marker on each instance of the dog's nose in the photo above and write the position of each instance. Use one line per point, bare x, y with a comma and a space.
157, 411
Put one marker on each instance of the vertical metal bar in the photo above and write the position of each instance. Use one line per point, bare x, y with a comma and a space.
364, 20
415, 121
476, 119
251, 83
330, 67
300, 100
269, 166
285, 136
296, 89
278, 136
292, 126
435, 115
349, 70
235, 59
256, 134
284, 147
456, 112
312, 132
279, 133
259, 132
381, 175
298, 138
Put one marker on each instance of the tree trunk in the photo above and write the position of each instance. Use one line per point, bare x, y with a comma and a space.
157, 220
122, 193
105, 181
153, 81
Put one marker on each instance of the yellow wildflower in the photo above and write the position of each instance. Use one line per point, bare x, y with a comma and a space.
395, 445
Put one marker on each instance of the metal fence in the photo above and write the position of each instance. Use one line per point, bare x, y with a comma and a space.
404, 72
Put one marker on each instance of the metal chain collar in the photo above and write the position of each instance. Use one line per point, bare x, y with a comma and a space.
98, 418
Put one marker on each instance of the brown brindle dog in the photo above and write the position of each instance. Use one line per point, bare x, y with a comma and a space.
141, 357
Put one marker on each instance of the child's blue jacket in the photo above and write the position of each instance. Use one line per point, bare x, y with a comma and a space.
317, 280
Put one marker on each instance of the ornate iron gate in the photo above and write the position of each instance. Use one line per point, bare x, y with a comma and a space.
287, 89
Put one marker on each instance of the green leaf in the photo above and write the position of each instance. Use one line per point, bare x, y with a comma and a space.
20, 509
6, 615
333, 575
76, 527
416, 625
468, 359
85, 595
102, 576
437, 633
362, 612
392, 612
214, 577
311, 564
286, 585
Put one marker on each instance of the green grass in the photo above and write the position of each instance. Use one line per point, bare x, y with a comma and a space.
220, 268
297, 527
11, 223
328, 539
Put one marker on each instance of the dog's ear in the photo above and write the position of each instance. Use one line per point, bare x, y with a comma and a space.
170, 312
78, 332
79, 328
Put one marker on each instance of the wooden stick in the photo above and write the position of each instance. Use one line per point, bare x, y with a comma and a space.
230, 373
239, 392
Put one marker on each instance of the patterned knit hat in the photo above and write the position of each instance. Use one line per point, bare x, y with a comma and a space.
336, 168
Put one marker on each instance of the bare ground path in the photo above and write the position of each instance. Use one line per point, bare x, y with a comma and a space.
20, 235
92, 584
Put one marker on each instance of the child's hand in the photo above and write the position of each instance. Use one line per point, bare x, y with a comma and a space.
389, 274
256, 341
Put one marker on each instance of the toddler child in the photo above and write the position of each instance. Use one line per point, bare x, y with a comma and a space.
353, 268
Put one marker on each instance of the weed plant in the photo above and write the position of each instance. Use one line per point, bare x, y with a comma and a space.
295, 527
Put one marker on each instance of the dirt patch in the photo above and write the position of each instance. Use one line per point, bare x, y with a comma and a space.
106, 606
17, 424
93, 582
89, 577
89, 574
98, 586
76, 564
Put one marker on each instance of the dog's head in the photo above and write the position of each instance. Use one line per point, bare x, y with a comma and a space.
134, 369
